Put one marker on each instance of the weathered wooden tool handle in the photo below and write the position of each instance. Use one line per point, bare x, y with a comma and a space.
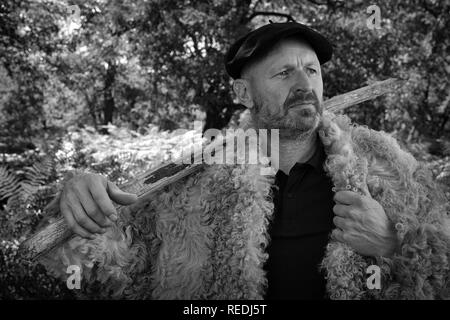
144, 185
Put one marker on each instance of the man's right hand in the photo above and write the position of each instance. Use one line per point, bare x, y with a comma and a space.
86, 204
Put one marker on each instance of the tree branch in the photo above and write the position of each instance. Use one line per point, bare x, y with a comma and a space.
257, 3
270, 13
428, 9
333, 5
318, 3
190, 34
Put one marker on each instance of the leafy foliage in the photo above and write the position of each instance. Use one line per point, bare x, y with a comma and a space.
20, 279
34, 177
27, 191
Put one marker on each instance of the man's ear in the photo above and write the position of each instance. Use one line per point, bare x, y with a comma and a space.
241, 88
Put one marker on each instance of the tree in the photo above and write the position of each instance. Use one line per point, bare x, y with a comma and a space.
27, 34
137, 62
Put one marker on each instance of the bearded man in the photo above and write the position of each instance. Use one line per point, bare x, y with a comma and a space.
230, 233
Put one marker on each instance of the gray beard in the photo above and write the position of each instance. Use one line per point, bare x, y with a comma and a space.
296, 134
289, 129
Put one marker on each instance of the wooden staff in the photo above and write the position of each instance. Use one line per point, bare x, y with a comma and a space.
144, 185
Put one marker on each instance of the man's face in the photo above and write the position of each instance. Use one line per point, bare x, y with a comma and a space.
286, 89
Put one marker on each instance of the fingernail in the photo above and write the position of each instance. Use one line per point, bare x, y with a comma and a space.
113, 217
104, 230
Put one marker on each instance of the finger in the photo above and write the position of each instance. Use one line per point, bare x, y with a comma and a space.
120, 196
72, 224
325, 123
101, 198
83, 219
322, 134
347, 197
340, 222
341, 210
93, 210
364, 187
338, 235
365, 190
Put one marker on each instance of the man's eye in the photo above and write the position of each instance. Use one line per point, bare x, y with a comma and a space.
311, 71
284, 73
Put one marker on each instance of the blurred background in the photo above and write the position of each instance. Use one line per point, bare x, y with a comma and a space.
107, 86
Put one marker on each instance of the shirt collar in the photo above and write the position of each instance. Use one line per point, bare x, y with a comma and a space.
316, 161
318, 158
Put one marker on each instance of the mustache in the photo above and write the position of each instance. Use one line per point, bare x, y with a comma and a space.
299, 97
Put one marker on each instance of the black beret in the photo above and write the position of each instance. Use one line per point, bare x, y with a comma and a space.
264, 38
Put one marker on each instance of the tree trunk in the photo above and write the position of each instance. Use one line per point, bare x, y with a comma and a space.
216, 119
108, 99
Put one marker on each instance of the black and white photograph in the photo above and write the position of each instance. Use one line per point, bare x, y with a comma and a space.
247, 150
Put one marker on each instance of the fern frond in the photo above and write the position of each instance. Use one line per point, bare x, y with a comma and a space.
39, 173
33, 179
9, 183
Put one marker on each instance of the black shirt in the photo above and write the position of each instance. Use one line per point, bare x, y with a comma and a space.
299, 231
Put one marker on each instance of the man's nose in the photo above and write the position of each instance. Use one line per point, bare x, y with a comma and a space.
301, 82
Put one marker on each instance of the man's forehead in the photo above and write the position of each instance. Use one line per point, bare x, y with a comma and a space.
283, 52
292, 48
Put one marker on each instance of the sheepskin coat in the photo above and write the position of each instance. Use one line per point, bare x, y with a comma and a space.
205, 237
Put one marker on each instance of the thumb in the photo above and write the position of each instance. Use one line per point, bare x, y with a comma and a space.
364, 168
119, 196
365, 190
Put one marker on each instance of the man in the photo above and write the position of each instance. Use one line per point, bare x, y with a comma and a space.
208, 237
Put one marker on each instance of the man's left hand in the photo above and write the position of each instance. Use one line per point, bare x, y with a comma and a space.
363, 224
